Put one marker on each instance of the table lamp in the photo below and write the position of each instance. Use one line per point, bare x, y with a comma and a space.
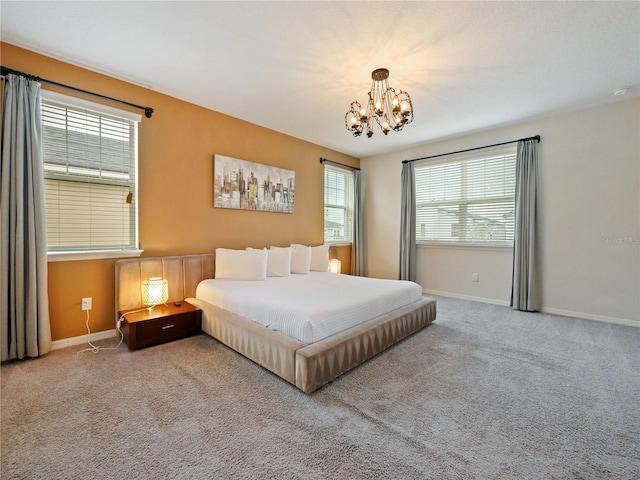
335, 266
155, 290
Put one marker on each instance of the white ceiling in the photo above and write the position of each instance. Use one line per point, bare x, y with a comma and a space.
295, 67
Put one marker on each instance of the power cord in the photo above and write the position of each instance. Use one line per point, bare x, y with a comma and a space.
120, 320
96, 348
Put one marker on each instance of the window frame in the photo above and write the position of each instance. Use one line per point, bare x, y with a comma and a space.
503, 151
348, 207
71, 253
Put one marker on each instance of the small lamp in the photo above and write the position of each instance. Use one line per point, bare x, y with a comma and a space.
155, 290
335, 266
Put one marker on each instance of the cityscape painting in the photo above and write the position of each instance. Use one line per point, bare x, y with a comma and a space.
252, 186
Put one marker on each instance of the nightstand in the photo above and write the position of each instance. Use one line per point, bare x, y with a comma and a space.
143, 328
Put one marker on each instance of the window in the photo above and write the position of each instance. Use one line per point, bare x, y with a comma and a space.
90, 166
338, 204
467, 200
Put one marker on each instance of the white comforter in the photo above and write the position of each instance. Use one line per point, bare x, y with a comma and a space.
310, 307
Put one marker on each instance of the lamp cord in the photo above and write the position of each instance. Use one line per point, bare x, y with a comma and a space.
96, 348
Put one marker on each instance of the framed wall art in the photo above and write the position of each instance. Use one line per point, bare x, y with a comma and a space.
252, 186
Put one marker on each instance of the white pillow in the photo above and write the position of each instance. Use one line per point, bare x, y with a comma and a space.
241, 264
300, 259
279, 262
320, 258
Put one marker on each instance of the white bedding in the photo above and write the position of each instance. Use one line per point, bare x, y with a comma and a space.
309, 307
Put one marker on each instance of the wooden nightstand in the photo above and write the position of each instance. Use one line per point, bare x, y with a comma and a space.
162, 324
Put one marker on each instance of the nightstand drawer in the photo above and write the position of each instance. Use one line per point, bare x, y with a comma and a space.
168, 327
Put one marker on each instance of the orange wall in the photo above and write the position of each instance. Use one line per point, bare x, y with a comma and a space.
176, 148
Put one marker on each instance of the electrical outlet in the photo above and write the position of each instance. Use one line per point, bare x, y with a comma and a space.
475, 277
86, 303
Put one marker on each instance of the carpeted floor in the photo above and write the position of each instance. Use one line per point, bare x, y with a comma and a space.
483, 393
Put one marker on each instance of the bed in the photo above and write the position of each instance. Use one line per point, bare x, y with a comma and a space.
309, 360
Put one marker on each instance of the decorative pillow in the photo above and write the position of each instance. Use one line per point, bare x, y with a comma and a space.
241, 264
300, 259
320, 258
279, 262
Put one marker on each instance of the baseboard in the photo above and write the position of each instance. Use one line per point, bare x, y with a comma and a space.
492, 301
589, 316
550, 311
83, 339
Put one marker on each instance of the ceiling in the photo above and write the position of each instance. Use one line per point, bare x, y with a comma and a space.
295, 67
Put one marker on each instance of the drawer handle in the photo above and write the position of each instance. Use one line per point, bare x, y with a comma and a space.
166, 327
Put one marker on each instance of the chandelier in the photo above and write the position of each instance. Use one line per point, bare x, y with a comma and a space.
391, 110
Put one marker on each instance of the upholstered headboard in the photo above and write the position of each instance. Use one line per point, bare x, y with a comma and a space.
183, 274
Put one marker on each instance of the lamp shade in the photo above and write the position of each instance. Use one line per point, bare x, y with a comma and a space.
335, 266
155, 290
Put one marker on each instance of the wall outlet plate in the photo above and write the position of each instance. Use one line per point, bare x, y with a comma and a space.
86, 303
475, 277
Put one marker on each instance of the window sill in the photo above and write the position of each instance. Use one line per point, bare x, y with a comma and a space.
91, 255
339, 243
490, 246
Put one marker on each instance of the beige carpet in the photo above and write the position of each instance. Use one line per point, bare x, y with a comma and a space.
483, 393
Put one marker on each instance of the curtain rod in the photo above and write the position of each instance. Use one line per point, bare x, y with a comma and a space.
537, 137
326, 160
148, 111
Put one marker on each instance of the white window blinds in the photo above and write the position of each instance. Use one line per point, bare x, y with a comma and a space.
467, 200
90, 167
338, 204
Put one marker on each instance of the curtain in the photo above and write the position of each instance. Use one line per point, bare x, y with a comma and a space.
358, 246
24, 302
408, 223
525, 294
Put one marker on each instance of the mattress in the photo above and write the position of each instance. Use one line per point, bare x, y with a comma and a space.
312, 307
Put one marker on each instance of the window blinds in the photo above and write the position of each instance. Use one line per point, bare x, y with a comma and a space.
90, 166
467, 199
338, 204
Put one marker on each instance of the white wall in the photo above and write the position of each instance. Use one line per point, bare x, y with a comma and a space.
589, 217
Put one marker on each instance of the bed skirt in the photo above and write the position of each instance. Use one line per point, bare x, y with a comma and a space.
309, 367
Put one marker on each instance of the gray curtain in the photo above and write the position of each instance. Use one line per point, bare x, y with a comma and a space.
24, 301
525, 292
358, 246
408, 223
